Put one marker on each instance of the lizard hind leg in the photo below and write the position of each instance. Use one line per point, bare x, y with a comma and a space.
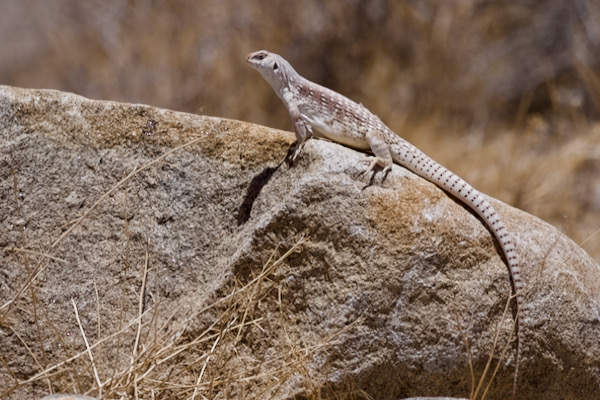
383, 156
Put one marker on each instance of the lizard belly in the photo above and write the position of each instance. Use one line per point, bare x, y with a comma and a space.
336, 131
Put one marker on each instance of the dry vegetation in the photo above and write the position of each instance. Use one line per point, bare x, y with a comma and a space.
159, 356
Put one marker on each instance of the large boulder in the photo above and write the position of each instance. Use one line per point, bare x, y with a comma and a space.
147, 252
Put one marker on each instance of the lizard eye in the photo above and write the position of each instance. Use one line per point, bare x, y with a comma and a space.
261, 56
275, 67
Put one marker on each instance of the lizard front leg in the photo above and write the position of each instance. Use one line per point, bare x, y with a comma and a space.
303, 133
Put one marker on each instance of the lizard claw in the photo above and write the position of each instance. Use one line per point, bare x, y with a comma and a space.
374, 163
293, 153
370, 162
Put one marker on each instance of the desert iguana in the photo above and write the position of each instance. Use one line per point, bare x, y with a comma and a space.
316, 109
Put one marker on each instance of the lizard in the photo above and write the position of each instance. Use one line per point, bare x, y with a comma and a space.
322, 112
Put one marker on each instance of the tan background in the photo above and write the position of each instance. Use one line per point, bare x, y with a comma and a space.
507, 95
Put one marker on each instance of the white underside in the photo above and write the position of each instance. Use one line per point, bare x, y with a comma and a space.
335, 131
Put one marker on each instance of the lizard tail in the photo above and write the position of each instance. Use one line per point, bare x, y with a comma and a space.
414, 159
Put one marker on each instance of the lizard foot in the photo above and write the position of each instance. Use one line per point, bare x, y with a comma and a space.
375, 165
293, 153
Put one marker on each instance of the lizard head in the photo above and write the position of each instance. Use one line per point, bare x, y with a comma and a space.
273, 68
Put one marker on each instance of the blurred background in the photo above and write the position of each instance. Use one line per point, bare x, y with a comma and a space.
504, 93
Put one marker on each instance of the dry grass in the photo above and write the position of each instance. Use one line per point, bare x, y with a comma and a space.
164, 362
481, 382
